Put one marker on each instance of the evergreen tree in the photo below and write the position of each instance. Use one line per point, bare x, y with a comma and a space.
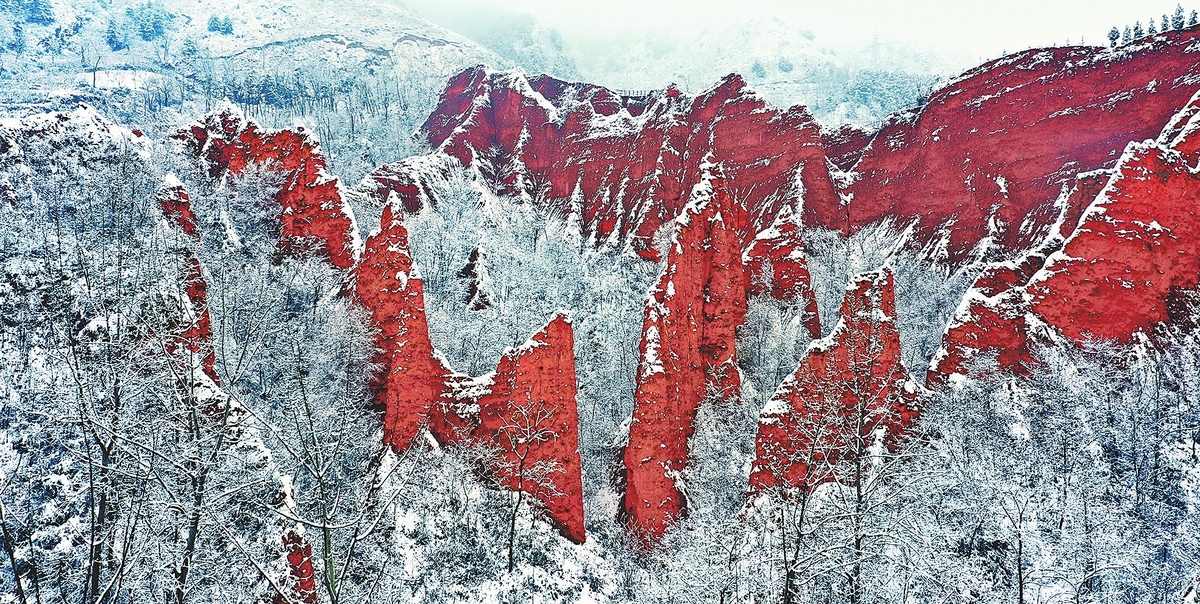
1177, 19
1153, 29
1194, 19
227, 26
214, 24
1114, 36
18, 42
1128, 36
115, 37
39, 12
1166, 24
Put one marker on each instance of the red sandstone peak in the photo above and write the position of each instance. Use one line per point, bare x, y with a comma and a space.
626, 162
311, 204
775, 264
412, 377
848, 394
687, 354
985, 159
530, 416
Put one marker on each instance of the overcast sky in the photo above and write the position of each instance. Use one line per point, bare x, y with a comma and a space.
960, 27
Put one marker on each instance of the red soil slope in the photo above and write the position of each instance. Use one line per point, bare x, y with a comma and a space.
302, 577
825, 416
687, 352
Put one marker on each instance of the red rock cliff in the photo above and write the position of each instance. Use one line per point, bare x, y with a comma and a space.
526, 411
530, 416
626, 164
311, 206
987, 156
688, 352
848, 392
1130, 265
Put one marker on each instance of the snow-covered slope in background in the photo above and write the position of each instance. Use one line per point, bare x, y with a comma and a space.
361, 75
788, 65
518, 37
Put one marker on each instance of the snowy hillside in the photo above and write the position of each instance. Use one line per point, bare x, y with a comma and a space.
324, 303
361, 75
788, 65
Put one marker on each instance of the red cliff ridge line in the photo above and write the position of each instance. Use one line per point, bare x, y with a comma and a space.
626, 164
849, 385
1136, 248
687, 351
985, 159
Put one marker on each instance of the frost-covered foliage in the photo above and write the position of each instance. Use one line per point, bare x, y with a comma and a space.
1072, 484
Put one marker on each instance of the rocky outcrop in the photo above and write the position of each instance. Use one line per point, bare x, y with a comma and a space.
301, 581
625, 164
849, 394
1129, 266
526, 412
687, 355
412, 376
530, 417
982, 163
312, 211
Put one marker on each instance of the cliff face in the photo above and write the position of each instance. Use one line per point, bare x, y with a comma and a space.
1129, 266
984, 160
688, 353
312, 212
848, 394
525, 411
625, 164
530, 416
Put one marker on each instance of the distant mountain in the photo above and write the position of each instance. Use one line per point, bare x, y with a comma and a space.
518, 37
358, 74
786, 64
